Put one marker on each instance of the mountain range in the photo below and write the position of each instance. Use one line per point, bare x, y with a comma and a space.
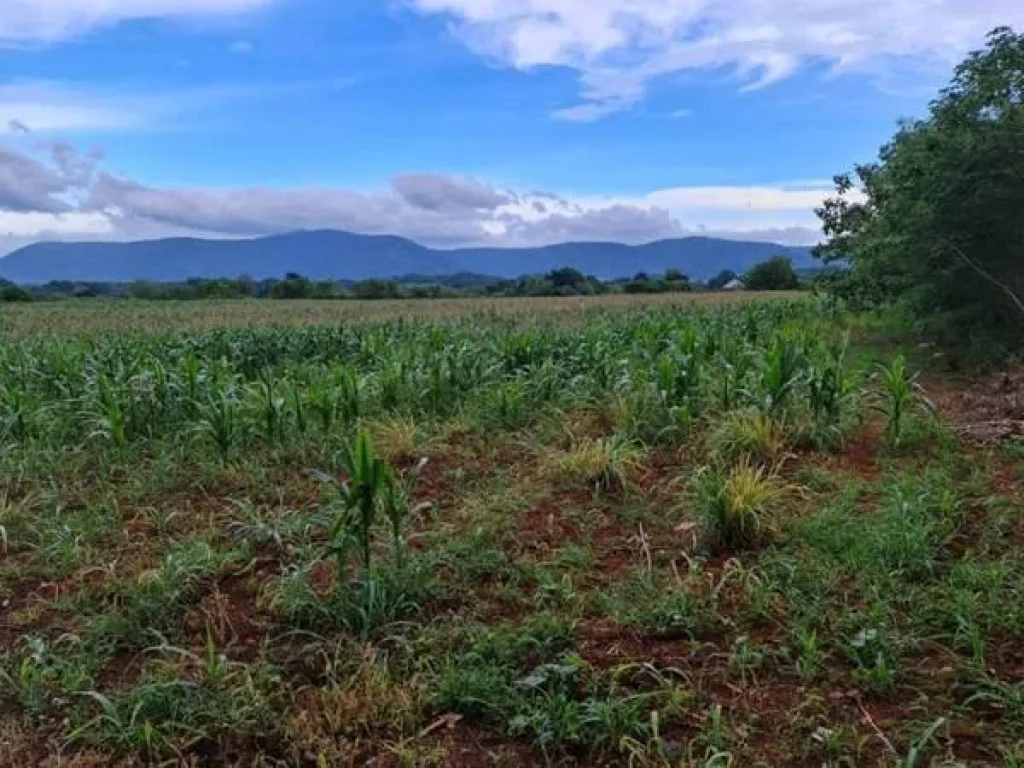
334, 254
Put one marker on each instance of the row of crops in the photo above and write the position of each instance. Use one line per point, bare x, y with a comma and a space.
222, 391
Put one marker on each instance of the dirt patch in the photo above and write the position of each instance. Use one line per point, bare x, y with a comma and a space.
985, 411
606, 644
858, 456
546, 526
469, 747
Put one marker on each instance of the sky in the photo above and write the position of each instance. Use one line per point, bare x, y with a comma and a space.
455, 122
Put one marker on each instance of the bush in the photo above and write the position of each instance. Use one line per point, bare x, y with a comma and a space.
14, 293
292, 287
776, 274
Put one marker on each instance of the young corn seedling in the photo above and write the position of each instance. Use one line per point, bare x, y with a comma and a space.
220, 422
785, 364
361, 494
833, 393
898, 395
398, 508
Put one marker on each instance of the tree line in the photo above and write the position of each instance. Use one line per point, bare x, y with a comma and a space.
775, 274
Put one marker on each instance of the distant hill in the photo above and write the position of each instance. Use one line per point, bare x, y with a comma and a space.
346, 256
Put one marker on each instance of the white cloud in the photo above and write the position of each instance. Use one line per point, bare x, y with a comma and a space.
35, 224
242, 47
47, 21
56, 192
619, 46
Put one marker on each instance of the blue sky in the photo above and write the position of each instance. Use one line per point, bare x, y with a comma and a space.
455, 121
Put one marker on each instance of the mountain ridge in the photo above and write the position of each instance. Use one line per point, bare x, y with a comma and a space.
341, 255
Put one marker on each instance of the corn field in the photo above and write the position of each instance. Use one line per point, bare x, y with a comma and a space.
673, 534
224, 391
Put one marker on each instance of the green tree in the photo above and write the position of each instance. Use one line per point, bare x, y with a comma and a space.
567, 277
722, 279
376, 289
936, 223
675, 280
9, 292
776, 274
294, 286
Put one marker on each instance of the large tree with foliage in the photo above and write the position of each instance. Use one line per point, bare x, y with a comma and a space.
776, 274
938, 222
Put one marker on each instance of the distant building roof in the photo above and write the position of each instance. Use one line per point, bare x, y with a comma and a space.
733, 285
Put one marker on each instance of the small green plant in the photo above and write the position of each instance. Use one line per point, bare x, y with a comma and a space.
370, 490
220, 422
605, 464
1007, 698
754, 436
745, 658
809, 656
899, 394
736, 505
784, 367
360, 495
834, 395
874, 652
919, 747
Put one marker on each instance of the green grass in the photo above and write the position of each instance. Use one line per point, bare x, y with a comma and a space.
655, 534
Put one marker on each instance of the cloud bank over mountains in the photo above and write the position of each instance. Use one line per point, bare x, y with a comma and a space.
55, 191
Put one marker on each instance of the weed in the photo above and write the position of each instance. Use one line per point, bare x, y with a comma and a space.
605, 464
751, 436
735, 505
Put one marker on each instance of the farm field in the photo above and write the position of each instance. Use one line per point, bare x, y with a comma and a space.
679, 532
91, 316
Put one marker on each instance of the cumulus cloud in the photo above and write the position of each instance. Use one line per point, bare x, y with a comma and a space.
53, 191
619, 46
46, 21
27, 185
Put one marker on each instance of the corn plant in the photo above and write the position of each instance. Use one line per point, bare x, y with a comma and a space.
106, 413
219, 421
368, 487
784, 366
397, 506
832, 390
898, 395
267, 408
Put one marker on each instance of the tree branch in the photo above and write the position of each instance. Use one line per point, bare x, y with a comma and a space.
1017, 302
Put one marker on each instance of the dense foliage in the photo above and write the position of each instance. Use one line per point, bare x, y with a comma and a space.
936, 223
559, 282
776, 274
